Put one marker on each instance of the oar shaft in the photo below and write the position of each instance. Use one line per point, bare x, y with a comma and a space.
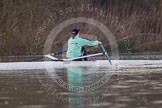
51, 57
59, 52
106, 54
35, 59
91, 55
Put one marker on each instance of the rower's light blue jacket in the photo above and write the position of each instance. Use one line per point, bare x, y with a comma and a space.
75, 44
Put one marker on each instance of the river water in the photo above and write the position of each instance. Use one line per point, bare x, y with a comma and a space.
82, 87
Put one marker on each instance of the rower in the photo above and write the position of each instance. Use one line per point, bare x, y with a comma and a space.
76, 45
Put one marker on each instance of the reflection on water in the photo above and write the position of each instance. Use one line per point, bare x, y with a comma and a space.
81, 87
83, 84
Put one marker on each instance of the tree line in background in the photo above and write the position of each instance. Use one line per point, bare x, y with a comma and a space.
136, 24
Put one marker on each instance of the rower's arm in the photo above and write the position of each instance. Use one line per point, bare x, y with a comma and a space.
88, 42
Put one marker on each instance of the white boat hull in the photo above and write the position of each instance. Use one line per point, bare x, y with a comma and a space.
50, 64
62, 64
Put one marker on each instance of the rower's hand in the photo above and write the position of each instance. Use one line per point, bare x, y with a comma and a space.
100, 43
52, 54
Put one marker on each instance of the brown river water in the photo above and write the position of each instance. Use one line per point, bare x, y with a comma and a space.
82, 87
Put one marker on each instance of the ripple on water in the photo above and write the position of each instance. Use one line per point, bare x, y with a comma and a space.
124, 99
143, 93
119, 105
4, 98
33, 106
157, 102
103, 104
120, 86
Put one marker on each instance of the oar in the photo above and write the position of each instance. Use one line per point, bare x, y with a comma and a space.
55, 59
35, 59
105, 53
91, 55
59, 52
51, 57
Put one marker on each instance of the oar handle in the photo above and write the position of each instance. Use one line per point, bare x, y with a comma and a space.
59, 52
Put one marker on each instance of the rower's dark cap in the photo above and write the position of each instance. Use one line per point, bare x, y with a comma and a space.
75, 31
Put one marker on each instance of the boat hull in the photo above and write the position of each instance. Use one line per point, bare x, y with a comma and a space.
62, 64
51, 64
